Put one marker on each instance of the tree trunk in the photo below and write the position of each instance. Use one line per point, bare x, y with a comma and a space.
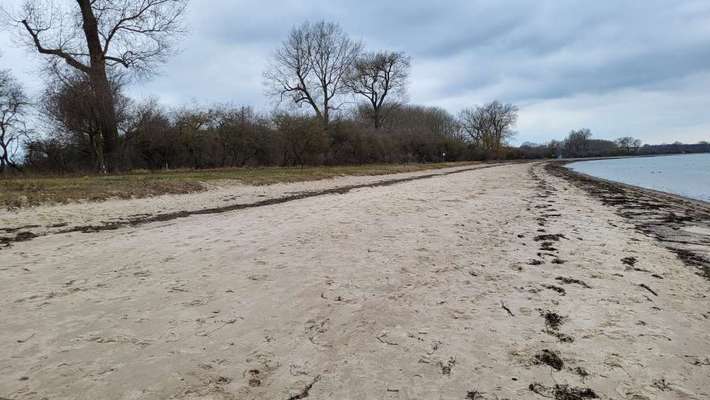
5, 162
326, 118
101, 87
4, 156
3, 153
97, 153
107, 121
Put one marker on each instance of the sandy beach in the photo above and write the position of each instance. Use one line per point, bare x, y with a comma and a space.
507, 281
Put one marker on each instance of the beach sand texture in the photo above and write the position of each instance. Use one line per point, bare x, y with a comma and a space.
505, 282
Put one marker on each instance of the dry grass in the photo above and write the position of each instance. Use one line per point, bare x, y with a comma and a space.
34, 190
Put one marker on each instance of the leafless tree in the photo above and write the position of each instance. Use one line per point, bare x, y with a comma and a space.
93, 36
628, 144
379, 77
13, 108
577, 142
67, 105
490, 126
311, 67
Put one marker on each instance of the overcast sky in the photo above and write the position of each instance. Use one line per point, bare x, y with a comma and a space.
639, 68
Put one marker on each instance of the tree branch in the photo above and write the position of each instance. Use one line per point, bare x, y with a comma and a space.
56, 52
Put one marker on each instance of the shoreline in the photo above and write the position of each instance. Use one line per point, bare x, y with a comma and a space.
582, 159
676, 196
672, 196
667, 216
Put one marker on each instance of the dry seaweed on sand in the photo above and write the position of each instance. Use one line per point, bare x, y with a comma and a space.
563, 392
550, 358
557, 289
630, 261
570, 281
552, 319
555, 237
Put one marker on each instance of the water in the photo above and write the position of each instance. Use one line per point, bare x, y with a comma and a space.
686, 175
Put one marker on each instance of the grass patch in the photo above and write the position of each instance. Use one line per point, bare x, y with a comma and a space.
23, 191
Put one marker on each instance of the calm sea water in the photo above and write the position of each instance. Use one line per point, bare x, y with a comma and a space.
686, 175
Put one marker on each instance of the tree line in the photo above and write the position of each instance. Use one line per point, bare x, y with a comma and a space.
339, 103
343, 104
580, 143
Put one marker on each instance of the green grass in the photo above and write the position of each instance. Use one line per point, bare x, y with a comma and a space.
21, 191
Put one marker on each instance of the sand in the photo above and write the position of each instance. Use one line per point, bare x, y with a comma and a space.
434, 288
49, 219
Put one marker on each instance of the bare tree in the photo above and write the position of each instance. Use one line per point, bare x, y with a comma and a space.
311, 67
490, 126
68, 107
628, 144
577, 142
93, 36
378, 77
13, 108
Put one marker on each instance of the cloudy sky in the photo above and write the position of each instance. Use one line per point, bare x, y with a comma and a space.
639, 68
